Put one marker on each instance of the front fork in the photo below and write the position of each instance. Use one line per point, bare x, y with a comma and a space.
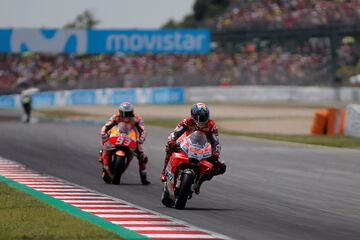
178, 180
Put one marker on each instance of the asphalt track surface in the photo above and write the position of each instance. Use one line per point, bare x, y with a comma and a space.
271, 190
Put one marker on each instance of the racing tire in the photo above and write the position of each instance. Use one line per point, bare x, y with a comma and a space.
118, 168
166, 200
185, 190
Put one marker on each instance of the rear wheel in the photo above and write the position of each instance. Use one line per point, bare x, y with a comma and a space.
185, 190
118, 168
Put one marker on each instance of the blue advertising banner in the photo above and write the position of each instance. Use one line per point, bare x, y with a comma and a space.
7, 101
122, 95
5, 40
194, 41
77, 97
168, 95
161, 95
43, 99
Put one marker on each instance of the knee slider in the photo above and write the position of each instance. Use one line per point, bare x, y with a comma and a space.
143, 158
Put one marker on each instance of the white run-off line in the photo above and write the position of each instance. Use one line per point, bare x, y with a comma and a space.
100, 206
72, 202
86, 198
60, 190
146, 222
117, 211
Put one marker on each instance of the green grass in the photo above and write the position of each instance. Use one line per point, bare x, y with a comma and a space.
25, 217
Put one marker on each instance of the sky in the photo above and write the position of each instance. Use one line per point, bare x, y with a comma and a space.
111, 13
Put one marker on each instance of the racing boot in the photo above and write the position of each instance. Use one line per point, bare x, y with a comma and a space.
166, 160
163, 177
197, 187
143, 160
100, 158
143, 177
199, 183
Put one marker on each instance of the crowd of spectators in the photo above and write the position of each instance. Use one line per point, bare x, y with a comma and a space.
287, 14
253, 63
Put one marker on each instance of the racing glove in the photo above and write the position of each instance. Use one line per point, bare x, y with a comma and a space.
141, 139
171, 146
104, 137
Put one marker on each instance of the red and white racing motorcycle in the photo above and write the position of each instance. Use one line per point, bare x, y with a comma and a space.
185, 168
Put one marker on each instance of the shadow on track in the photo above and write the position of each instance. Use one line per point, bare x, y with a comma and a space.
129, 184
208, 209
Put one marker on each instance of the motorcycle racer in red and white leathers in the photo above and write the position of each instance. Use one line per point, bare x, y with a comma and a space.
126, 115
198, 121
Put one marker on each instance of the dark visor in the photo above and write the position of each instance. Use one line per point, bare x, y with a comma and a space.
202, 118
127, 114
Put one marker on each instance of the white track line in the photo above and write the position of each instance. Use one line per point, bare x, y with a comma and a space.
51, 187
68, 194
112, 211
160, 228
146, 215
28, 177
62, 190
87, 206
86, 198
171, 236
88, 201
144, 222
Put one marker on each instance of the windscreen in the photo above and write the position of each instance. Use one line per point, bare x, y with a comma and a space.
197, 139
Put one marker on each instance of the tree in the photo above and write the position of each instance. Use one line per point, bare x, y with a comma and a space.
170, 24
202, 10
84, 20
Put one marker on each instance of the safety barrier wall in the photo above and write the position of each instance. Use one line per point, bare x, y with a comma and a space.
272, 93
161, 95
178, 95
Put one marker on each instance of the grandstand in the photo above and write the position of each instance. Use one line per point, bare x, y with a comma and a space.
288, 14
299, 42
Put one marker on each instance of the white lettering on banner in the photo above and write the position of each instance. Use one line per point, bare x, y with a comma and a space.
150, 42
114, 42
189, 42
135, 43
143, 95
34, 40
167, 42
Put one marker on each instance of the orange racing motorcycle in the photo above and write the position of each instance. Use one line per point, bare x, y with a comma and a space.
187, 165
124, 141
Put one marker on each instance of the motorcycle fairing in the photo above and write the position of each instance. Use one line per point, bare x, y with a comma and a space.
195, 145
205, 167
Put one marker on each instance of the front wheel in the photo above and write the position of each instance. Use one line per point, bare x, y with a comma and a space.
118, 168
187, 180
